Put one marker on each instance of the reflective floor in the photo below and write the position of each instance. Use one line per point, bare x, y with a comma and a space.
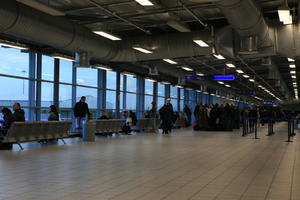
181, 166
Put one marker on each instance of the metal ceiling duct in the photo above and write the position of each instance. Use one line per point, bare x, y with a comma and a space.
82, 59
24, 22
246, 19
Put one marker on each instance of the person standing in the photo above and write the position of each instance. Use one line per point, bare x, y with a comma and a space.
7, 120
188, 114
19, 114
53, 114
81, 111
166, 115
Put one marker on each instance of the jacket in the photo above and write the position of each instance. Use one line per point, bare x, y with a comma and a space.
81, 109
53, 116
166, 112
8, 119
19, 115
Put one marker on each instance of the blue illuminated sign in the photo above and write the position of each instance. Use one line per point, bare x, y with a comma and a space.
271, 102
223, 78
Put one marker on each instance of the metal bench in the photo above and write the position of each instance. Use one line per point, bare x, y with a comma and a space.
147, 124
108, 126
21, 132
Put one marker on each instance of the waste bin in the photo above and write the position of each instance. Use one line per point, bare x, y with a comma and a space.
88, 130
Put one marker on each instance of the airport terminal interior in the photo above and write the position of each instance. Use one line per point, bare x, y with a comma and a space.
149, 100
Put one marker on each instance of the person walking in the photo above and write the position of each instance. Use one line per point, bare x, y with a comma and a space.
81, 112
166, 115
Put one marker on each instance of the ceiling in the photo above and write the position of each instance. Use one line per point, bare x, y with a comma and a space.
127, 18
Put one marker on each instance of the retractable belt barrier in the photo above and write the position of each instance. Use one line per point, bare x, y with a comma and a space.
250, 126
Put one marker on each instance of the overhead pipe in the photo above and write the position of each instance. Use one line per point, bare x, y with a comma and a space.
24, 22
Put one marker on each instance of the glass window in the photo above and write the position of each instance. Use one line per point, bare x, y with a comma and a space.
148, 87
47, 94
65, 71
111, 80
148, 101
130, 101
65, 96
89, 93
14, 62
161, 102
181, 104
121, 82
87, 76
181, 93
161, 90
131, 84
121, 100
47, 68
175, 104
16, 91
173, 92
110, 99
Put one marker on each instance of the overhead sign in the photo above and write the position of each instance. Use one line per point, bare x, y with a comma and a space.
271, 103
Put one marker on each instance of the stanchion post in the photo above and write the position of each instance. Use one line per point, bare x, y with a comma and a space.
289, 130
255, 129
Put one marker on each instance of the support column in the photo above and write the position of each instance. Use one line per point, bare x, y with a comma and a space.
118, 95
140, 97
56, 83
74, 82
155, 93
102, 92
38, 86
31, 86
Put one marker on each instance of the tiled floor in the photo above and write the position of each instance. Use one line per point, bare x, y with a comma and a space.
185, 165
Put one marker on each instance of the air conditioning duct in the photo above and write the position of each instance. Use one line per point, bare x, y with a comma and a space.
153, 71
82, 59
273, 73
181, 81
248, 45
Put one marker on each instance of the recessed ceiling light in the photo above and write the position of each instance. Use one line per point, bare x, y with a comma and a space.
142, 50
230, 65
16, 46
284, 13
220, 82
294, 77
187, 69
165, 82
103, 67
291, 60
227, 85
246, 76
251, 80
201, 43
200, 74
219, 56
170, 61
107, 35
293, 66
179, 86
239, 71
151, 80
293, 72
145, 2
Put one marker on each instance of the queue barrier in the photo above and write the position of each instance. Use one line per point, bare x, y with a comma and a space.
250, 126
20, 132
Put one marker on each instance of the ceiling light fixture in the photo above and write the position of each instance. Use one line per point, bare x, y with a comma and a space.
170, 61
227, 85
219, 56
246, 76
220, 82
11, 45
294, 77
200, 74
103, 67
239, 71
179, 86
187, 69
251, 80
165, 82
293, 72
107, 35
293, 66
64, 58
284, 13
291, 60
129, 74
201, 43
142, 50
145, 2
151, 80
230, 65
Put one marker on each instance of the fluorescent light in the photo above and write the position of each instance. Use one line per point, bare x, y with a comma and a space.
294, 77
165, 82
220, 82
290, 21
179, 86
187, 69
291, 60
64, 58
246, 76
201, 43
239, 71
198, 91
227, 85
200, 74
230, 65
142, 50
212, 94
107, 35
170, 61
251, 80
284, 14
103, 68
293, 72
13, 46
145, 2
129, 74
148, 79
205, 92
219, 56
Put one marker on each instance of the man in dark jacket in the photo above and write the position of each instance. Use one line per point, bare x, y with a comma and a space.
7, 121
188, 114
19, 114
166, 115
81, 111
